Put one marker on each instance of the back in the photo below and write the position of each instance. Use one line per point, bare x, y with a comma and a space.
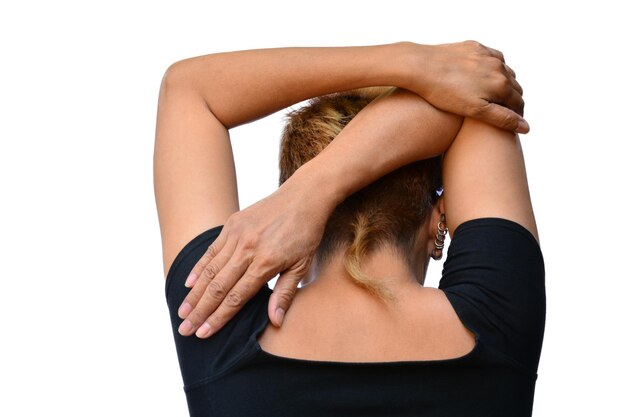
344, 322
494, 281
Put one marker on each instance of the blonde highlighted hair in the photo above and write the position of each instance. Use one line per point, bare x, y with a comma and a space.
388, 212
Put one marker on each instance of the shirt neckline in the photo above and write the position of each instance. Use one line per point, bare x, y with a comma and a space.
465, 358
265, 322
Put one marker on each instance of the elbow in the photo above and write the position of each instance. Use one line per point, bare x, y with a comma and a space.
187, 77
177, 76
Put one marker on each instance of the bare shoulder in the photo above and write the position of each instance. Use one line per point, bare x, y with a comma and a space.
447, 334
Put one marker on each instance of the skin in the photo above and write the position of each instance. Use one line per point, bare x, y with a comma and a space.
195, 183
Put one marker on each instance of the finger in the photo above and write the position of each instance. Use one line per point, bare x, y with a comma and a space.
516, 86
282, 297
495, 53
208, 256
510, 74
509, 70
213, 295
515, 102
502, 117
206, 276
237, 297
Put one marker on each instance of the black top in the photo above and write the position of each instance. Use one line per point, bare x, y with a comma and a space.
494, 279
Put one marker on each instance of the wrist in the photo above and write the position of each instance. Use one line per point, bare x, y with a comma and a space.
397, 64
319, 184
412, 66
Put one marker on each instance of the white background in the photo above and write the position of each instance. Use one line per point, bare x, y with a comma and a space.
85, 329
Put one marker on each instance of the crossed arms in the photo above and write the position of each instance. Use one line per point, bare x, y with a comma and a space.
194, 174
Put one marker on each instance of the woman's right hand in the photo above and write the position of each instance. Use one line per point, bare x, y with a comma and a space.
470, 80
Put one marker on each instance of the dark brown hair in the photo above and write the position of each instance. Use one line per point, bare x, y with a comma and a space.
387, 212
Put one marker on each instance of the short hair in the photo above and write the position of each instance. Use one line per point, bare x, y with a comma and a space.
388, 212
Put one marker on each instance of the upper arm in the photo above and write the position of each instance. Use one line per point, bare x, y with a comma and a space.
484, 176
194, 173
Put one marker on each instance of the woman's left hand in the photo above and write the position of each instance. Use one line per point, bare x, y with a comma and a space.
278, 234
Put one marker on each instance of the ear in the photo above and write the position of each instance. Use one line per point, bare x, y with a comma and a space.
435, 216
440, 205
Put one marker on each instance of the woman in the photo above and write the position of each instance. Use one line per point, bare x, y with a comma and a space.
364, 336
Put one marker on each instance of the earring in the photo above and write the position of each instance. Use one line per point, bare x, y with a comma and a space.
440, 238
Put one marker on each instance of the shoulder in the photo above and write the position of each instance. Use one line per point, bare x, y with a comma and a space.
203, 359
488, 244
494, 277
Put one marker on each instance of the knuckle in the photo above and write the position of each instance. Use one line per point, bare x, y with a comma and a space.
285, 295
509, 70
234, 299
210, 271
245, 288
497, 64
474, 44
231, 224
216, 290
210, 252
266, 260
206, 258
236, 264
254, 274
509, 121
258, 271
232, 219
249, 241
501, 83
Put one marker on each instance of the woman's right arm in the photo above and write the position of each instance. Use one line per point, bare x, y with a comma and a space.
484, 176
495, 274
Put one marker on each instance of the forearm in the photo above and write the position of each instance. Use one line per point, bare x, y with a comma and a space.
239, 87
390, 132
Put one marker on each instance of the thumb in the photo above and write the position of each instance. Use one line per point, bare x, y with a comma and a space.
503, 118
281, 298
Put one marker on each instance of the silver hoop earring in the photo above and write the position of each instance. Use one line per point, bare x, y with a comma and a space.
440, 238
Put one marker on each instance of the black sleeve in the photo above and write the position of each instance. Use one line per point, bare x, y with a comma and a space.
204, 359
494, 278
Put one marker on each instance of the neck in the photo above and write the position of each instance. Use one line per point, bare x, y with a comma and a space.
384, 265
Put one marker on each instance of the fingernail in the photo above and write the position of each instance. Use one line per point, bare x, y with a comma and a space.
185, 328
522, 126
204, 330
190, 280
280, 315
184, 310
